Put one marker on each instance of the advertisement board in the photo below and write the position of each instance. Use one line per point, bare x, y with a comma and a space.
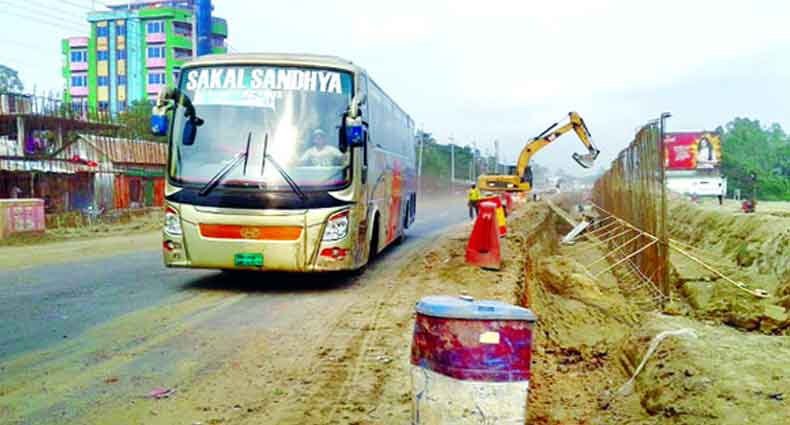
697, 150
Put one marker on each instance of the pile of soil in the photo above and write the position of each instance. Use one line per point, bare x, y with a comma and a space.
748, 248
593, 334
717, 376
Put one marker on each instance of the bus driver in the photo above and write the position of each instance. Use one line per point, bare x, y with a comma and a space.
320, 154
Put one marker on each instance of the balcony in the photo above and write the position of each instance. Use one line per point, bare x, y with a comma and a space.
157, 37
154, 88
78, 66
156, 62
78, 42
78, 91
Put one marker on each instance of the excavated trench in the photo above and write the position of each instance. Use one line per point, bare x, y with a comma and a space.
705, 368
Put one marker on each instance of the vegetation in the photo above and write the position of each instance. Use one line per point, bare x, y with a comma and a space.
9, 80
748, 146
137, 121
468, 161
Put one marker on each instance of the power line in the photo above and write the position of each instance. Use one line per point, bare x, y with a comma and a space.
77, 5
27, 44
45, 21
42, 14
48, 8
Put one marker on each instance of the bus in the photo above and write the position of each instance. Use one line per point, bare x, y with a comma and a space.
283, 162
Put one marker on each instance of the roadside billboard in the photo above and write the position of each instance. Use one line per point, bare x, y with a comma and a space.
697, 150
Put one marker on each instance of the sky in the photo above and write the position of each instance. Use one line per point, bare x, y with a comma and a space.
479, 71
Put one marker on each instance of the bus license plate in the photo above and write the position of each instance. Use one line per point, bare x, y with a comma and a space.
248, 260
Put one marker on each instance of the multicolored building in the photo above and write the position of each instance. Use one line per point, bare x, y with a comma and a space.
134, 49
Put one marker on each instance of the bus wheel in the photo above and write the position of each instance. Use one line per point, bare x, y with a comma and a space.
406, 216
374, 240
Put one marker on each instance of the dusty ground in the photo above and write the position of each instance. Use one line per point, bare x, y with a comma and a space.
93, 245
133, 225
346, 361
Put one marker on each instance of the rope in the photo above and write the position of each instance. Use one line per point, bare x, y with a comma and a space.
628, 387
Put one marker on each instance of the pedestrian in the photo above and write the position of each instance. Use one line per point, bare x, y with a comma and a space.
473, 197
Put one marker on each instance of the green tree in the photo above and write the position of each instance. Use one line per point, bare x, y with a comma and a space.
9, 80
137, 121
749, 147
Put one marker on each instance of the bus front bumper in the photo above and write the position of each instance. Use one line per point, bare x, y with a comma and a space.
307, 253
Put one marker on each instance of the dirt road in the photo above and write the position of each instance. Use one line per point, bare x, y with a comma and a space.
96, 330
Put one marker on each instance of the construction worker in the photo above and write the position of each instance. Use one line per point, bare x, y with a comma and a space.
474, 197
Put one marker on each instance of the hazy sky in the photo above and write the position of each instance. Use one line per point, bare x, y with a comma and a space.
503, 69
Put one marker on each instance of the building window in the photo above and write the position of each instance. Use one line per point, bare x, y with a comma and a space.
102, 55
182, 29
155, 27
121, 80
176, 74
103, 81
79, 80
79, 56
121, 54
156, 78
218, 42
156, 52
120, 29
181, 53
78, 104
102, 31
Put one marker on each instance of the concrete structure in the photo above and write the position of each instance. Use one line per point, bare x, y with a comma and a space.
134, 48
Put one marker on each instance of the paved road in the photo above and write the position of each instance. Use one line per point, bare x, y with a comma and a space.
62, 320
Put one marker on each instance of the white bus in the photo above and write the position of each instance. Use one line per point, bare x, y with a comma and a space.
284, 162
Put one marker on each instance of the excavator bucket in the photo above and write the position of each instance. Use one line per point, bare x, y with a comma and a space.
586, 160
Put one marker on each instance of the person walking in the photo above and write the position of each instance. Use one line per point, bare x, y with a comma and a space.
473, 197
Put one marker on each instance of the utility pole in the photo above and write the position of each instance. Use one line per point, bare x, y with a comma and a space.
419, 159
452, 163
496, 156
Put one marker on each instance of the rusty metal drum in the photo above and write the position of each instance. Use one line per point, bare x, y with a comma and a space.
470, 361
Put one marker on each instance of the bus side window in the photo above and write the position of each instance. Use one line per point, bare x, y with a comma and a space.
363, 93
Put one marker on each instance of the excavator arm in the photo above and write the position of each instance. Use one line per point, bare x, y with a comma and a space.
521, 180
575, 123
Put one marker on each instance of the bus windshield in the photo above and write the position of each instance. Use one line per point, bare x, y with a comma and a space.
284, 120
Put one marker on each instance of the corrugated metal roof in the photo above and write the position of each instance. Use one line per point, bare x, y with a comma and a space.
129, 151
105, 151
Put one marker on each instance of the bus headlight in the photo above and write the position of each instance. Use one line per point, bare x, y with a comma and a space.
336, 227
172, 222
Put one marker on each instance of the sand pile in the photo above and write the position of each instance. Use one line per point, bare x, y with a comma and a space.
748, 248
718, 376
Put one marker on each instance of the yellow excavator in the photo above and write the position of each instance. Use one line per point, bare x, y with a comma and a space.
519, 178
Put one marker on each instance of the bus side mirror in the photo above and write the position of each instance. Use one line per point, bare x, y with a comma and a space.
159, 125
353, 133
189, 133
356, 133
165, 101
190, 130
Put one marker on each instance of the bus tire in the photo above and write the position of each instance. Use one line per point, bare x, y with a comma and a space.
374, 240
407, 215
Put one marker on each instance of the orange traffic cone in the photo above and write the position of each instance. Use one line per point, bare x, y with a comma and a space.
483, 247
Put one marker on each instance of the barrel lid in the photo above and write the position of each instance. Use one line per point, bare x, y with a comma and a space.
465, 307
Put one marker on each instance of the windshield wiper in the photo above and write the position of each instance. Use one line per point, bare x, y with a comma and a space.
294, 187
217, 179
